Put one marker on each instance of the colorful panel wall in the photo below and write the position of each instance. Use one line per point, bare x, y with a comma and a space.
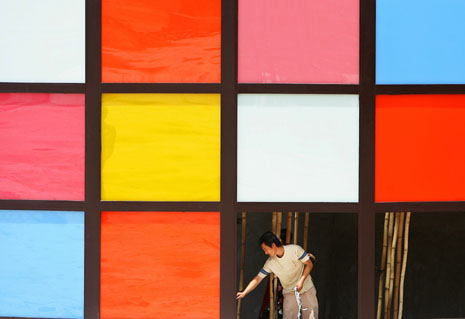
155, 263
42, 153
161, 147
297, 148
306, 42
420, 143
133, 132
42, 41
42, 268
161, 41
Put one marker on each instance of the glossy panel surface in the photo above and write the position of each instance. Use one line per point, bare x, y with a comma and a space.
160, 265
42, 153
425, 45
42, 41
298, 42
42, 268
420, 148
161, 147
161, 41
297, 148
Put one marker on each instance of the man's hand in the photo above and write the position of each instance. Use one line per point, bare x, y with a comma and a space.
240, 295
299, 286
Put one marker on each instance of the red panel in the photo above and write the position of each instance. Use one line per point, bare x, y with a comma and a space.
161, 41
420, 148
160, 265
42, 146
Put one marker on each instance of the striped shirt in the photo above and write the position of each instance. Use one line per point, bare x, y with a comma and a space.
289, 268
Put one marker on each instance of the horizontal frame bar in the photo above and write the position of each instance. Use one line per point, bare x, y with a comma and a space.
420, 89
258, 207
42, 87
420, 207
161, 87
161, 206
41, 205
299, 88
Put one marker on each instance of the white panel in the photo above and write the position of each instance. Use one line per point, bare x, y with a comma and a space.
42, 41
297, 148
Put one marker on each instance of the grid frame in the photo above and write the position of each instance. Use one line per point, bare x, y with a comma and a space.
229, 88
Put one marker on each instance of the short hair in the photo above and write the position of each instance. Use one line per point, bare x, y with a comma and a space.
268, 239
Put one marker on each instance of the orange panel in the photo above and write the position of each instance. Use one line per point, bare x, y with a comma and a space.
161, 41
160, 265
420, 148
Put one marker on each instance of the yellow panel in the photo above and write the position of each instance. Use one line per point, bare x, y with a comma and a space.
161, 147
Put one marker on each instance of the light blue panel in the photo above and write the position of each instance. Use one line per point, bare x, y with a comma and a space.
420, 41
42, 264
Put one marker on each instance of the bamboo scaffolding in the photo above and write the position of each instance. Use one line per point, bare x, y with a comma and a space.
404, 266
288, 229
307, 217
279, 221
272, 277
382, 266
388, 264
273, 222
271, 296
398, 264
241, 277
296, 227
393, 252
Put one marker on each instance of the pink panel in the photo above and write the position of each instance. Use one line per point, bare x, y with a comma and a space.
299, 41
42, 153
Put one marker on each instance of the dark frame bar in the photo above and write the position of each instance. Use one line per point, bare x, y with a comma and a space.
228, 158
254, 207
366, 214
299, 88
92, 164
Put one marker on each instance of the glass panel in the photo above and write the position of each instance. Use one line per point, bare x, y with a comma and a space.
426, 275
161, 41
302, 42
160, 265
425, 45
42, 268
297, 148
330, 238
161, 147
42, 153
42, 41
420, 148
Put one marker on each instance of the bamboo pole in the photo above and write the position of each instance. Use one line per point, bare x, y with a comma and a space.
241, 277
404, 266
288, 229
296, 227
393, 252
272, 279
398, 264
307, 217
382, 266
279, 221
273, 223
388, 264
271, 296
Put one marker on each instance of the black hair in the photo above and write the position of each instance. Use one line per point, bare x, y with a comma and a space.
268, 239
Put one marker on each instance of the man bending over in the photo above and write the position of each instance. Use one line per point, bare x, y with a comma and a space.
292, 265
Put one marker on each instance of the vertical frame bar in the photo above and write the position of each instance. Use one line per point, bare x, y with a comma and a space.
92, 160
228, 157
366, 213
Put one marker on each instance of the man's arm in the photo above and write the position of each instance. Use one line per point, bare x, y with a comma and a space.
307, 269
251, 286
